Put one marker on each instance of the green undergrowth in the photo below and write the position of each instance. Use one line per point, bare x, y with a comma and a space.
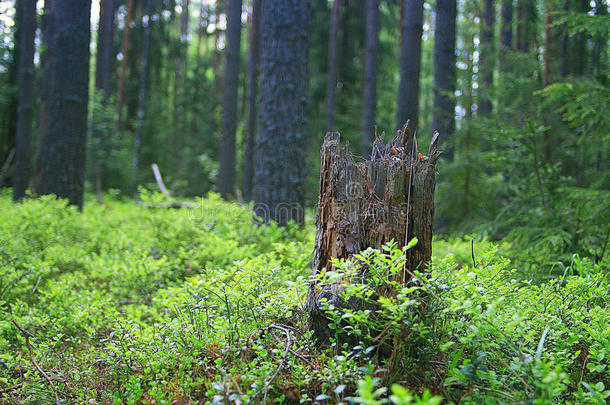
136, 305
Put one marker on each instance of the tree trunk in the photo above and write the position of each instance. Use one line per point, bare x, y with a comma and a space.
599, 59
26, 20
216, 55
333, 54
507, 23
125, 61
253, 56
46, 28
142, 98
226, 175
281, 142
103, 75
369, 97
65, 139
410, 63
180, 71
487, 57
369, 204
444, 72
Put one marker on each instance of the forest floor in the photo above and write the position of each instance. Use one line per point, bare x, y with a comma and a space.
127, 304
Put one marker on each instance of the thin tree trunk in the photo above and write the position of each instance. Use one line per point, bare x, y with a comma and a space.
564, 69
281, 142
410, 63
506, 33
253, 61
124, 62
468, 122
216, 55
226, 175
179, 74
369, 97
599, 58
142, 98
443, 119
487, 58
333, 55
103, 75
26, 20
65, 138
46, 28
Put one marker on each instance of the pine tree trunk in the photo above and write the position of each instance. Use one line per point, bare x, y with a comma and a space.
142, 98
444, 72
369, 204
65, 138
333, 51
253, 61
103, 75
487, 57
125, 61
281, 142
369, 97
46, 28
226, 175
410, 63
507, 23
26, 20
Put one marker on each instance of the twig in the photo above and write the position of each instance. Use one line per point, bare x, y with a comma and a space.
27, 336
11, 388
282, 361
13, 281
296, 354
474, 262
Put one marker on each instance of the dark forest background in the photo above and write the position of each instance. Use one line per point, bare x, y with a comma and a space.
236, 96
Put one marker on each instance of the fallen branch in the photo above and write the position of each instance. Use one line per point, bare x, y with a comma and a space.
282, 361
157, 173
174, 204
27, 336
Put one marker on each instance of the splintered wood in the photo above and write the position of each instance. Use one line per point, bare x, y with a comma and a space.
367, 204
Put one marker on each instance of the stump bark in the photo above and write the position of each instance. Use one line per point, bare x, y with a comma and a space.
368, 204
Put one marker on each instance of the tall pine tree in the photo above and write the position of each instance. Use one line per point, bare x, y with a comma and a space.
64, 148
281, 141
443, 120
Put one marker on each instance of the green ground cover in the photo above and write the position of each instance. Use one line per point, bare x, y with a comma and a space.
134, 305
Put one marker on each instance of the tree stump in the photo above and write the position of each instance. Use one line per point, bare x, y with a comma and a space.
368, 204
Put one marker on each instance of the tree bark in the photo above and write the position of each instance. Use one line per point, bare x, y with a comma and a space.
103, 77
142, 98
125, 61
369, 97
281, 141
333, 64
443, 119
253, 62
65, 138
410, 63
369, 204
507, 23
226, 175
26, 20
487, 57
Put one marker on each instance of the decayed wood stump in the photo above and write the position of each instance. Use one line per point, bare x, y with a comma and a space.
367, 204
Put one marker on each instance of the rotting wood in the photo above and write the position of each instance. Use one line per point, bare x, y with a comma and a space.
368, 204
